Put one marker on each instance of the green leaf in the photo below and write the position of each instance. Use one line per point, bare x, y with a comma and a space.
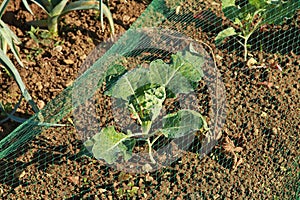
224, 34
238, 22
230, 10
3, 7
277, 13
46, 5
9, 32
147, 102
247, 12
228, 3
186, 67
113, 74
27, 6
58, 9
108, 145
258, 4
183, 122
190, 63
129, 143
169, 76
128, 83
5, 61
115, 70
10, 38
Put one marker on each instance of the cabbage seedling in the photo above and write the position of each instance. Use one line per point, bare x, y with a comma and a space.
254, 15
143, 92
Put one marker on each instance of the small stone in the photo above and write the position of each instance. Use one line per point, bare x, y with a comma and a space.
102, 190
23, 173
83, 57
251, 62
41, 104
177, 10
283, 168
149, 178
263, 114
58, 48
31, 44
39, 86
126, 18
256, 132
147, 167
68, 61
219, 57
73, 179
69, 83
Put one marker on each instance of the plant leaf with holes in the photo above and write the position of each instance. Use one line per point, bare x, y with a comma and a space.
109, 145
182, 123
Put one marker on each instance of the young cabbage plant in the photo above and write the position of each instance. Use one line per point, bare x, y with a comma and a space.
143, 91
253, 15
55, 9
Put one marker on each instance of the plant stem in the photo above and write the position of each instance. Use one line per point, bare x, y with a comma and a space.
4, 45
246, 38
155, 139
150, 151
53, 25
245, 48
137, 115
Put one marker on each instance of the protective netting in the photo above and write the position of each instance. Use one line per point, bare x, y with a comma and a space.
251, 150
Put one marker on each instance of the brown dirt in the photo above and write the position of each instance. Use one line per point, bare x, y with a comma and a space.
263, 121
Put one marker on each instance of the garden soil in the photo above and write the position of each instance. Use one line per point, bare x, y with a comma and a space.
257, 156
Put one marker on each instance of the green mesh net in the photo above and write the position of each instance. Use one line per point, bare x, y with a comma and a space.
249, 151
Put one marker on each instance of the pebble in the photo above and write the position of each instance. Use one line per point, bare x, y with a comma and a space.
68, 61
41, 104
264, 114
39, 86
147, 167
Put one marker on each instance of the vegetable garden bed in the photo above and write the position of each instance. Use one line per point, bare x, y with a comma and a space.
257, 154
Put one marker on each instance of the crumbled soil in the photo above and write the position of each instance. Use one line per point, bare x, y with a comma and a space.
257, 156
